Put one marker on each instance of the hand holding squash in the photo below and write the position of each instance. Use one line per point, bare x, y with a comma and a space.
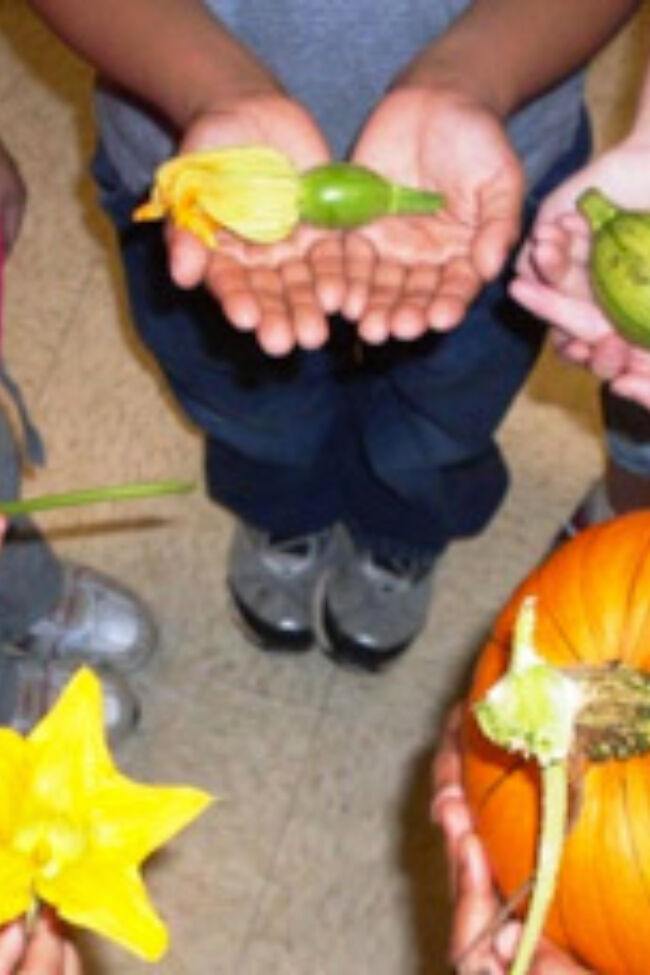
553, 278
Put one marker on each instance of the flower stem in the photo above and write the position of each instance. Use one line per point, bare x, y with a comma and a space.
116, 492
555, 790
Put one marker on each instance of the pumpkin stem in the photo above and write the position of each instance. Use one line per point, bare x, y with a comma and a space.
614, 718
555, 790
533, 709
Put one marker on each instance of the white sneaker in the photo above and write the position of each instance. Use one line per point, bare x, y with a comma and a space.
97, 621
29, 688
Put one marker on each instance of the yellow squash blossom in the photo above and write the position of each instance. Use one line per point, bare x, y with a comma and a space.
74, 830
252, 191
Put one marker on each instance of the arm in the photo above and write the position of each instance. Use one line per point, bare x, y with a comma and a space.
516, 49
177, 56
171, 53
457, 94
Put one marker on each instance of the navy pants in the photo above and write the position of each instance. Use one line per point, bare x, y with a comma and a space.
397, 443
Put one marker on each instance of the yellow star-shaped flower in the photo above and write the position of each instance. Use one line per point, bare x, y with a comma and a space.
74, 830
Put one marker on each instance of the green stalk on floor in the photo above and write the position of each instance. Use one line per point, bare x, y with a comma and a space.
116, 492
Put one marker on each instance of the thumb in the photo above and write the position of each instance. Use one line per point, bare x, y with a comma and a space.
498, 233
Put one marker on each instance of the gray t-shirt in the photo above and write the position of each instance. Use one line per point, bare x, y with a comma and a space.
338, 57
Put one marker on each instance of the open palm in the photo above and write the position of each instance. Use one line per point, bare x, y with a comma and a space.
406, 274
282, 292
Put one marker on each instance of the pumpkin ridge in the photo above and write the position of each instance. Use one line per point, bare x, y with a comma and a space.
559, 629
514, 766
613, 819
635, 581
591, 540
636, 856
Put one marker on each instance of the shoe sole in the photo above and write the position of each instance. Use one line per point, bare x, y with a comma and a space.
347, 652
266, 637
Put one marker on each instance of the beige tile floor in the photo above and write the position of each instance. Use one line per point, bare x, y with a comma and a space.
319, 860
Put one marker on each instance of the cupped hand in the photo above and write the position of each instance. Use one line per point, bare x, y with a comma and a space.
553, 277
282, 292
483, 941
408, 274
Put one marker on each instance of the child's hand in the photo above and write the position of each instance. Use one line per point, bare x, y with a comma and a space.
12, 199
409, 274
282, 292
553, 279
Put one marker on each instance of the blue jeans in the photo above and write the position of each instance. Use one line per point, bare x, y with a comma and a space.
397, 443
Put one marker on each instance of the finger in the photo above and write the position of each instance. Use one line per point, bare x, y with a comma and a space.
12, 945
309, 325
633, 387
579, 317
45, 949
446, 767
459, 284
188, 257
498, 231
609, 358
476, 908
359, 258
327, 262
576, 352
385, 288
275, 332
230, 283
455, 823
408, 319
71, 960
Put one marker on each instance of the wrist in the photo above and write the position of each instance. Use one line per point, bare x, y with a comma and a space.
445, 71
213, 93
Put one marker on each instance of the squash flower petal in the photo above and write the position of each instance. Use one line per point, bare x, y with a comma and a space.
74, 830
252, 191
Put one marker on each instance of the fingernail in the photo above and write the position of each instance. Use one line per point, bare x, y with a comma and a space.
506, 940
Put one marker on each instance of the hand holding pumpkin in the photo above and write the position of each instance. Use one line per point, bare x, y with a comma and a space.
481, 940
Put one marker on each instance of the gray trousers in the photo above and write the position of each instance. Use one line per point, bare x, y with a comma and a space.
31, 578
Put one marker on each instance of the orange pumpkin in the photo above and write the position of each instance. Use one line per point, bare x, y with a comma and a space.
593, 615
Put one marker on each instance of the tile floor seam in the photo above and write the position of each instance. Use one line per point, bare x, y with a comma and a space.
38, 396
267, 879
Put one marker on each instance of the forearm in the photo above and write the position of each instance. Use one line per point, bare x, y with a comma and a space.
171, 53
505, 52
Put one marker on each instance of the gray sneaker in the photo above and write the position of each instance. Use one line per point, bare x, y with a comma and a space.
97, 621
273, 584
29, 687
371, 610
